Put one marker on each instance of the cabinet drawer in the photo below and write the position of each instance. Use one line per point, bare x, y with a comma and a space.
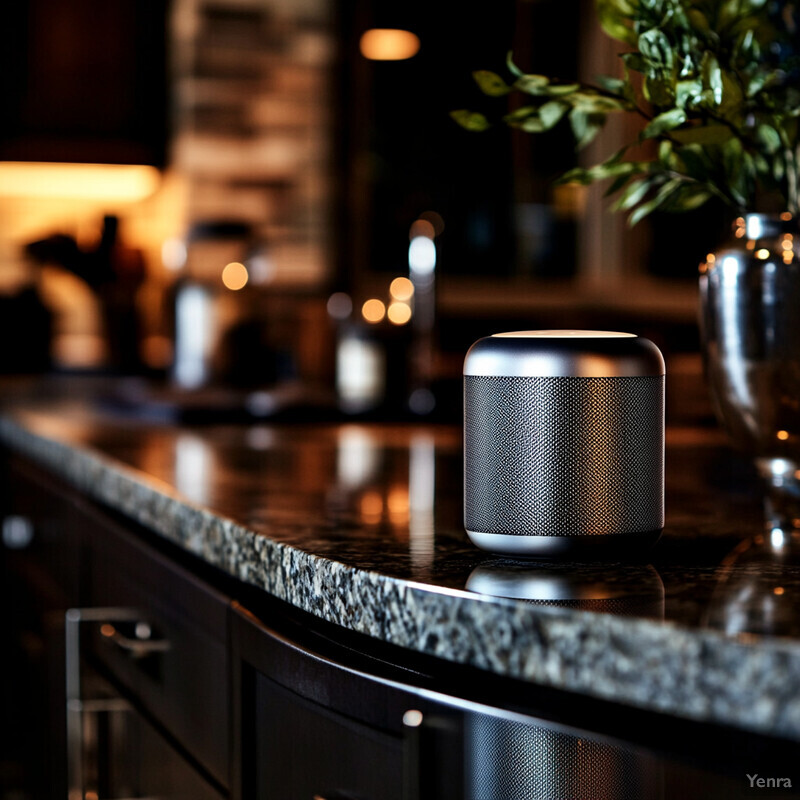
165, 640
303, 750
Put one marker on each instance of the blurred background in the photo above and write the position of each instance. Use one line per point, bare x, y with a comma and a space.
252, 208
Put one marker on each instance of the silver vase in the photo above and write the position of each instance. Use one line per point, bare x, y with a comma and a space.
750, 327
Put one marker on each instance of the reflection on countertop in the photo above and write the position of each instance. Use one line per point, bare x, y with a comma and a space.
360, 524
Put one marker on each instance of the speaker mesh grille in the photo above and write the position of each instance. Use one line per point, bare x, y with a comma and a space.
563, 456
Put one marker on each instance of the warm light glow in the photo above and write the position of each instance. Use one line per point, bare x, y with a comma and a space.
787, 242
107, 630
399, 313
234, 276
388, 44
373, 310
412, 718
397, 505
763, 253
435, 219
422, 227
778, 590
113, 182
711, 258
401, 289
783, 435
371, 507
565, 334
786, 216
173, 253
157, 351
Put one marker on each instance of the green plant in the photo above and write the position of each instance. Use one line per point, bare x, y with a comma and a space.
717, 86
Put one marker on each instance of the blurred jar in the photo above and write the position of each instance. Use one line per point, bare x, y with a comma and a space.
208, 300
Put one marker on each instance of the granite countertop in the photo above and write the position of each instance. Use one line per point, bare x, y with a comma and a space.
360, 524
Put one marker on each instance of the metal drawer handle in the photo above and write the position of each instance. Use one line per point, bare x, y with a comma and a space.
135, 647
78, 706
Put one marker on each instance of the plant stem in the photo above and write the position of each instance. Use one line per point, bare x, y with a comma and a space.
710, 186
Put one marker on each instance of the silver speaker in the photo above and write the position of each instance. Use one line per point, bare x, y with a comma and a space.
563, 442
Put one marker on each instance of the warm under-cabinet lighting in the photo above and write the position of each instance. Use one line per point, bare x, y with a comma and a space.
119, 182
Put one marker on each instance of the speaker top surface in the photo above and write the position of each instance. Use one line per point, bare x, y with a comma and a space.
564, 354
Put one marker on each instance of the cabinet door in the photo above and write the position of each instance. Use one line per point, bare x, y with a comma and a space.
41, 567
171, 651
302, 751
307, 722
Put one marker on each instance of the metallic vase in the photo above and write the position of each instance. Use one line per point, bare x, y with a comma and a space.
750, 326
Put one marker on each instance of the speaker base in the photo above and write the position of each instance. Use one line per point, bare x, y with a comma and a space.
586, 546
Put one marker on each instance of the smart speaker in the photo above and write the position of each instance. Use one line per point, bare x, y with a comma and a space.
563, 442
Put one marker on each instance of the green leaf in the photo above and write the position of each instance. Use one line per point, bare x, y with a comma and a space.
651, 205
511, 66
552, 112
616, 185
778, 169
712, 77
688, 93
665, 156
533, 124
613, 85
559, 89
585, 126
664, 122
490, 83
699, 21
634, 61
768, 138
614, 16
594, 103
703, 134
736, 171
763, 80
694, 162
659, 91
599, 172
577, 175
656, 48
518, 114
633, 195
732, 95
532, 84
689, 198
470, 120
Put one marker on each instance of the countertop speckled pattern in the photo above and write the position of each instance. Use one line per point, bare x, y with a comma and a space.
361, 526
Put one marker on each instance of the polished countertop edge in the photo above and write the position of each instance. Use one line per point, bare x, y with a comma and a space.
751, 683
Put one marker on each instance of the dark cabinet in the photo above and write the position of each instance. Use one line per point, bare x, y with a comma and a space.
169, 649
115, 680
302, 750
127, 674
84, 81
